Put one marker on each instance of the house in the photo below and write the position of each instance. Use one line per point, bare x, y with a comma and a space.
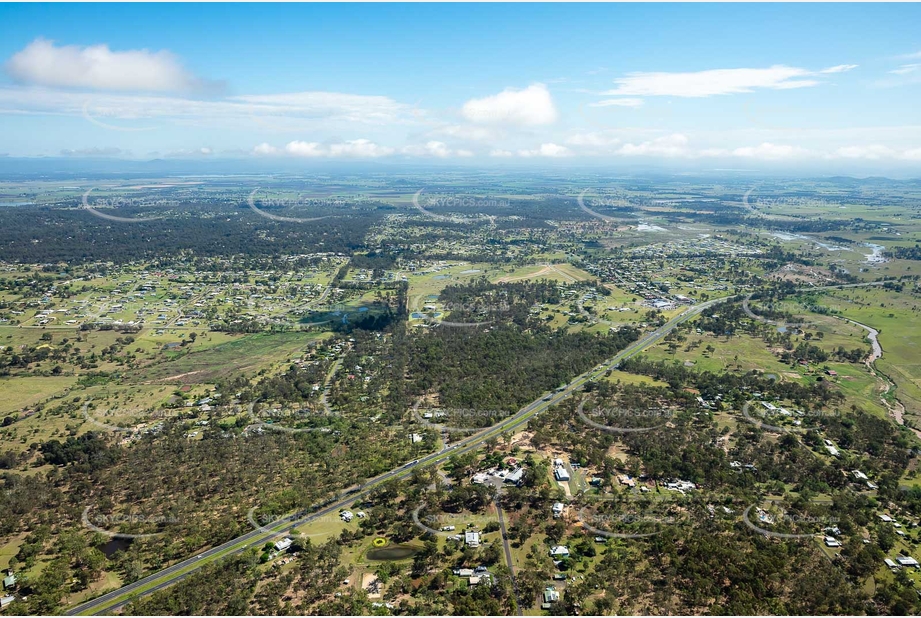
474, 580
346, 516
860, 476
831, 541
4, 601
889, 563
831, 372
561, 474
558, 509
872, 485
283, 544
472, 539
831, 450
479, 478
515, 477
559, 551
360, 515
463, 572
551, 595
906, 561
885, 517
9, 581
626, 479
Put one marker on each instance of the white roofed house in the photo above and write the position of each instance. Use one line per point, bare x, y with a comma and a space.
472, 539
559, 551
558, 509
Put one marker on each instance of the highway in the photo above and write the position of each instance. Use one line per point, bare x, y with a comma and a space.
170, 575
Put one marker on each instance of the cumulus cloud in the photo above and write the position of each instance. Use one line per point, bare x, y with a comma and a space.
770, 152
356, 148
266, 149
532, 106
872, 152
97, 67
432, 148
546, 150
711, 82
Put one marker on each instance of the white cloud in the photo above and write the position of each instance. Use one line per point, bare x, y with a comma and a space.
839, 68
266, 149
465, 153
305, 149
361, 148
873, 152
532, 106
356, 148
97, 67
674, 145
626, 102
711, 82
912, 155
770, 152
432, 148
546, 150
292, 113
906, 69
498, 152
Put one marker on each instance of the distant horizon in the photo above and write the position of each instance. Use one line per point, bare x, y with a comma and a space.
817, 88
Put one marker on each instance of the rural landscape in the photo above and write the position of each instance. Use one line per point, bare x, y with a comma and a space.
444, 394
460, 309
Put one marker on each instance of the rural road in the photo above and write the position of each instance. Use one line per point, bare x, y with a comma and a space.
170, 575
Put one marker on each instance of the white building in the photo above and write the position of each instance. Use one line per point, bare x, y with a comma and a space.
472, 539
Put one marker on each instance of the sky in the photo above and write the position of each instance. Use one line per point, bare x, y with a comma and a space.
817, 87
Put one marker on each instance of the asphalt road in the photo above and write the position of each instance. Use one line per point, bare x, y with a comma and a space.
170, 575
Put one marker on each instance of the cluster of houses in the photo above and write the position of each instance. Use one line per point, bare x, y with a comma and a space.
560, 473
474, 576
515, 476
9, 584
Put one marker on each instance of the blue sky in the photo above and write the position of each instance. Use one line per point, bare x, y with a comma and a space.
825, 87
